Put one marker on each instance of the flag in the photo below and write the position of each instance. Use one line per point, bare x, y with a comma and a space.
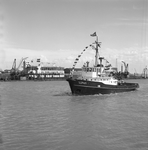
99, 44
94, 34
38, 60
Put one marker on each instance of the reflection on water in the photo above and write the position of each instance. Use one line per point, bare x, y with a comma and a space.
45, 116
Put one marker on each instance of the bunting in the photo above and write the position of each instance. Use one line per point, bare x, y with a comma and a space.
77, 59
108, 65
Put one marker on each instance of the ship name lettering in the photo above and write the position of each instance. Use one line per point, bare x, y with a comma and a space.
81, 82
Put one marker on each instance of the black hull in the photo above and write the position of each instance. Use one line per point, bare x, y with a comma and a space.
80, 87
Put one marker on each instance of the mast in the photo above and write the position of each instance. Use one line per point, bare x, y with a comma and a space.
96, 48
97, 53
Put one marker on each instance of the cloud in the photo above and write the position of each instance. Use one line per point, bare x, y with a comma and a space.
136, 57
60, 57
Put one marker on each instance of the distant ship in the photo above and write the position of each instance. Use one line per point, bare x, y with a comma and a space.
96, 79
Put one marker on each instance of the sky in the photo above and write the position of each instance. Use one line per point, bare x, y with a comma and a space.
59, 30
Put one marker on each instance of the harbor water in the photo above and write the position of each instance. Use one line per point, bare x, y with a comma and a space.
43, 115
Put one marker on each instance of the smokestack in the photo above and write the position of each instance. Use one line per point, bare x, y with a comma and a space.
87, 63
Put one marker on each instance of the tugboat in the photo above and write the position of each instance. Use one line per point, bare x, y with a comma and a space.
96, 79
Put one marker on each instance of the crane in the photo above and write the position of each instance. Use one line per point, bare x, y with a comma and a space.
145, 72
126, 67
23, 59
15, 70
14, 65
125, 73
